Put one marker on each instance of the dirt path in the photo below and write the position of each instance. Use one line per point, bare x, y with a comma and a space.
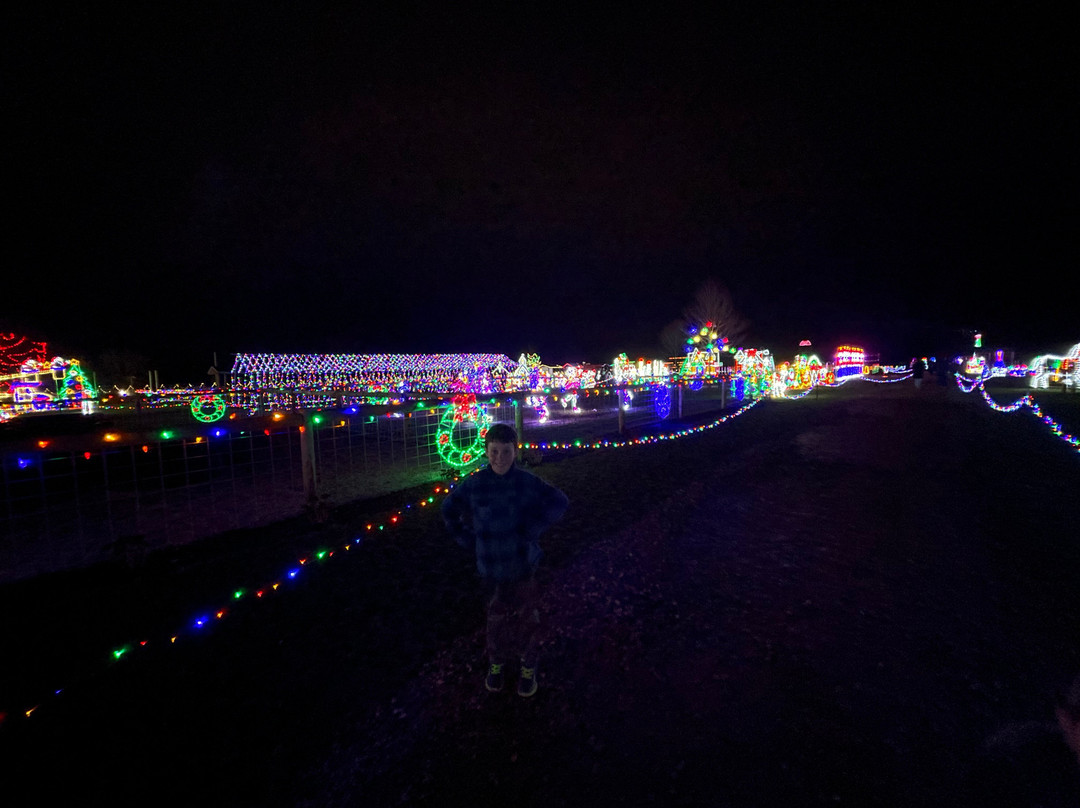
837, 603
830, 601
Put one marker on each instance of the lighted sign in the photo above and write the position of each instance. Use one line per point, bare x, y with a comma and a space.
849, 361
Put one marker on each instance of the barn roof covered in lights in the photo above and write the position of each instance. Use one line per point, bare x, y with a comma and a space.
279, 370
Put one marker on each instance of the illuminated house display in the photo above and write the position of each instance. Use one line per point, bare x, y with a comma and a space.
848, 362
30, 381
1049, 369
802, 373
36, 386
703, 347
757, 370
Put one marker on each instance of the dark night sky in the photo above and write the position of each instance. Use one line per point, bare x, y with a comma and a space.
431, 178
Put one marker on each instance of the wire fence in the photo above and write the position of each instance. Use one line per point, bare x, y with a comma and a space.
84, 500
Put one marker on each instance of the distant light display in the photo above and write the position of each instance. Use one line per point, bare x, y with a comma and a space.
848, 361
435, 373
757, 368
208, 408
738, 387
623, 371
539, 404
529, 374
662, 401
15, 351
1065, 370
705, 338
801, 374
703, 347
569, 401
38, 386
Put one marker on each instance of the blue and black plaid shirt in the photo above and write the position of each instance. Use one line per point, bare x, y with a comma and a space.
501, 518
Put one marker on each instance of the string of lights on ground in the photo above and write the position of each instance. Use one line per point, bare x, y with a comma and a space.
1023, 403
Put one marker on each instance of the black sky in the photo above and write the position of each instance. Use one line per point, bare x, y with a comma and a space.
430, 177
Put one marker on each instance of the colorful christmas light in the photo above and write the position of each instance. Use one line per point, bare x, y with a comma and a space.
1047, 368
364, 373
462, 411
662, 401
1025, 402
16, 351
36, 386
848, 361
757, 368
206, 618
208, 408
540, 407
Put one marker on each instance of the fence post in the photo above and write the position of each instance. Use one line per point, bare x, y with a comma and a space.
307, 458
723, 393
622, 412
680, 388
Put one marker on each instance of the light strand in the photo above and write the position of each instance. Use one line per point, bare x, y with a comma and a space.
1024, 402
205, 618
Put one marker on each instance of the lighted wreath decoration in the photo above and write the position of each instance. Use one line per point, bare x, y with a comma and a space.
462, 410
208, 408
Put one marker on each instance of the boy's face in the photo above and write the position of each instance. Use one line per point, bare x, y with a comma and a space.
501, 456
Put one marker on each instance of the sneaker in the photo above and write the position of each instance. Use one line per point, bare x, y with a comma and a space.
494, 680
527, 682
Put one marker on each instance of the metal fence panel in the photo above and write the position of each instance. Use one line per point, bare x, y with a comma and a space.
69, 508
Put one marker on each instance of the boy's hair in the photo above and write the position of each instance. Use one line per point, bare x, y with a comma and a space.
500, 433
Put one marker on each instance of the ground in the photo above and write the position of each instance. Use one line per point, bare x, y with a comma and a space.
831, 601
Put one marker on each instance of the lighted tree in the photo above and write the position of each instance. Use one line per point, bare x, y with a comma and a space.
713, 304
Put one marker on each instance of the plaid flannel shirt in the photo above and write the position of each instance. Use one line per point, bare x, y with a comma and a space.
501, 519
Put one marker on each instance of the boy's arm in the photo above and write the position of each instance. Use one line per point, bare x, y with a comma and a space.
454, 511
551, 504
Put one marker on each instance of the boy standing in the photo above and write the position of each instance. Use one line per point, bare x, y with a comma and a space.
500, 512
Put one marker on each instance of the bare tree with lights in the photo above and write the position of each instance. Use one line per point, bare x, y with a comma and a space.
714, 304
